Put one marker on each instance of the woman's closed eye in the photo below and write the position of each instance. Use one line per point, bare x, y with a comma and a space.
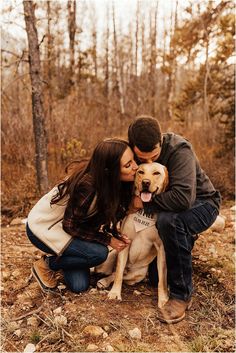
128, 165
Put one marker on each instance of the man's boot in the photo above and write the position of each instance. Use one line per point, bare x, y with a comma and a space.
45, 277
173, 311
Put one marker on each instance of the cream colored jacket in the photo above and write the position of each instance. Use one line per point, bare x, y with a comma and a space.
45, 222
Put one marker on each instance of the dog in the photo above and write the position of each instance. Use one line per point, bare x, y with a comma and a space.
132, 262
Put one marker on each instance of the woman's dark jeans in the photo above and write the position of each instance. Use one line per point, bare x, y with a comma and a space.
75, 261
178, 233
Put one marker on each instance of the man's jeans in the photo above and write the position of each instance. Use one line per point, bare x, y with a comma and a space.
178, 233
75, 261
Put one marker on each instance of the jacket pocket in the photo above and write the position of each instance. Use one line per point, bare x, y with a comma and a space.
52, 225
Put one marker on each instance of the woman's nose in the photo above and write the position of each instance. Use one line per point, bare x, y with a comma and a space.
135, 166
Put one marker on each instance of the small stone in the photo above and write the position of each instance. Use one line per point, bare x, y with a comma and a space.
109, 348
93, 291
12, 326
53, 337
6, 275
57, 311
135, 333
91, 347
16, 274
32, 321
30, 348
60, 320
61, 287
18, 333
136, 292
202, 258
106, 328
93, 330
105, 335
16, 221
219, 224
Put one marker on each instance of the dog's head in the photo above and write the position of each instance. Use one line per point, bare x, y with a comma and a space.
150, 179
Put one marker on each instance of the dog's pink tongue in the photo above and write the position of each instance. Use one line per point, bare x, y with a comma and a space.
146, 196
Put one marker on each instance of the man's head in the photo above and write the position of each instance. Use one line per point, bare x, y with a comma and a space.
145, 138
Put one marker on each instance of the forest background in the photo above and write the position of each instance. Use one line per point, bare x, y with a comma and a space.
101, 65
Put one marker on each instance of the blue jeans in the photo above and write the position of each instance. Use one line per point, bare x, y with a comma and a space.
75, 261
178, 233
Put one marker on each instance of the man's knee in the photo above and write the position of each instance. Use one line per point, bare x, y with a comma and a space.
166, 223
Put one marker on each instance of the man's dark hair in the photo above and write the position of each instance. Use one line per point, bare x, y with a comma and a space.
144, 133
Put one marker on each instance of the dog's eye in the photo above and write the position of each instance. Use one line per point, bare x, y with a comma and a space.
140, 172
156, 173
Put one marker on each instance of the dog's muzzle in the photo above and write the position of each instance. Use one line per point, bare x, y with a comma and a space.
145, 194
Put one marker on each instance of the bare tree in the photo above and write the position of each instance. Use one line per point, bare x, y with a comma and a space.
71, 5
153, 58
37, 97
107, 76
173, 64
117, 66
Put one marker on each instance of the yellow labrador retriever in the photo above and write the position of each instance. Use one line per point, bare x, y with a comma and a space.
132, 262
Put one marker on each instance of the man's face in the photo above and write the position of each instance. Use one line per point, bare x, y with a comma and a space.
148, 157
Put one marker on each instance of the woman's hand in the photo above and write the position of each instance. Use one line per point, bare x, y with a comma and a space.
118, 245
125, 239
135, 205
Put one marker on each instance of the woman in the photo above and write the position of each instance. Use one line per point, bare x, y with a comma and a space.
77, 219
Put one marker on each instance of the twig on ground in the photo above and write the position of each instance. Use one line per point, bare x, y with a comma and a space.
32, 312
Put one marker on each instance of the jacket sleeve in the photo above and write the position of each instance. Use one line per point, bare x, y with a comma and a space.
85, 233
181, 192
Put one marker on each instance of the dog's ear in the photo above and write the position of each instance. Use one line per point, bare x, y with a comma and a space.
166, 180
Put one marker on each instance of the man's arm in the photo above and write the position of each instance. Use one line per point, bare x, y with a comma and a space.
181, 192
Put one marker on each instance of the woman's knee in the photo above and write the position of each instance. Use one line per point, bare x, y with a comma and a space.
98, 254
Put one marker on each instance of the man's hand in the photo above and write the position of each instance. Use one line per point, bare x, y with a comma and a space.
135, 205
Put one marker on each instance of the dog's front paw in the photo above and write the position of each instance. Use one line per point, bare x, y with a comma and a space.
113, 294
103, 283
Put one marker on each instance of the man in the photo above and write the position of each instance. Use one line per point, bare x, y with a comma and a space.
188, 207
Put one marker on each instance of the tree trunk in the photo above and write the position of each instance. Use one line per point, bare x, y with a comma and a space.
136, 58
71, 5
206, 109
153, 59
107, 76
173, 65
117, 67
37, 98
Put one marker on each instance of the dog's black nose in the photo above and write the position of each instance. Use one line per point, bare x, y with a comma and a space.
146, 183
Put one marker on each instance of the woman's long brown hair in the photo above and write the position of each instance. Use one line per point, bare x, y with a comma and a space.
103, 170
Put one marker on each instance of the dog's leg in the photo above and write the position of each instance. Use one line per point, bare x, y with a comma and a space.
106, 281
162, 275
108, 267
115, 292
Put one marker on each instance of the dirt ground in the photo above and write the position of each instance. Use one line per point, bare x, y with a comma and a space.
59, 322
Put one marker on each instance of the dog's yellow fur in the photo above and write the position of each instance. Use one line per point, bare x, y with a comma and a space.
132, 262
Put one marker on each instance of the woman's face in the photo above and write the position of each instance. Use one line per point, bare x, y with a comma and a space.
128, 166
